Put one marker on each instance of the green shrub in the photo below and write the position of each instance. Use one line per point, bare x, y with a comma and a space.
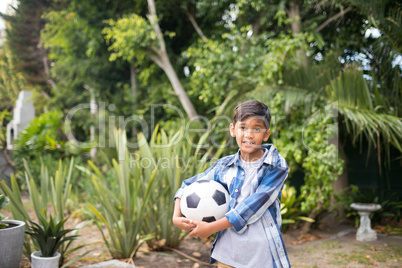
122, 211
45, 190
290, 208
43, 141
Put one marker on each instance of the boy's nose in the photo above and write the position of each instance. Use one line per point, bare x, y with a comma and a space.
248, 133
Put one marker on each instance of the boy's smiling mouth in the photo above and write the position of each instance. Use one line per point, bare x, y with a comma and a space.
248, 143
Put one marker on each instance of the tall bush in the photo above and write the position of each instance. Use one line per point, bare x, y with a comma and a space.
43, 141
290, 208
122, 211
49, 195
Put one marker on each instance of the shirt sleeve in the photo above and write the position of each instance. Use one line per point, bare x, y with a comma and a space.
208, 174
254, 206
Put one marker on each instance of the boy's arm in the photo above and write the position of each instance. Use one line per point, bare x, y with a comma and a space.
254, 206
205, 229
179, 220
249, 210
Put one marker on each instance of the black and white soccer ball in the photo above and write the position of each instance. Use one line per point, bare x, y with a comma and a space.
205, 201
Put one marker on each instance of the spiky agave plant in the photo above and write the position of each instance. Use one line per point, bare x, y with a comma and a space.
49, 236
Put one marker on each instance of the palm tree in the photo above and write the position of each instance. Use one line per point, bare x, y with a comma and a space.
364, 114
368, 103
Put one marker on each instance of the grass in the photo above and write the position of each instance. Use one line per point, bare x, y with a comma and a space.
331, 244
370, 255
310, 249
393, 230
390, 229
339, 259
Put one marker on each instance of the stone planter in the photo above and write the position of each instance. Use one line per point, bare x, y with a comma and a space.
11, 243
37, 261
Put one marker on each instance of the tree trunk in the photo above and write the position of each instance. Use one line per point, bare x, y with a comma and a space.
257, 25
307, 225
342, 182
133, 79
162, 59
293, 13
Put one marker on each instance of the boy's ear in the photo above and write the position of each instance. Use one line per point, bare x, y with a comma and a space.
232, 130
267, 134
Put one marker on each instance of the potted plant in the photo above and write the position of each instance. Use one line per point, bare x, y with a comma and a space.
11, 238
48, 236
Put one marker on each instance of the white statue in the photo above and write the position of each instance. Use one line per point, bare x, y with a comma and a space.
24, 112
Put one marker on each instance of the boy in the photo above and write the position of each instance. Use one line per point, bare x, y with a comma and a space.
249, 235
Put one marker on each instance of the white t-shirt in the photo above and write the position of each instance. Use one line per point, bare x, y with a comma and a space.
251, 248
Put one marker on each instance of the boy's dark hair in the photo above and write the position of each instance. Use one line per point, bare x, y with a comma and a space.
252, 108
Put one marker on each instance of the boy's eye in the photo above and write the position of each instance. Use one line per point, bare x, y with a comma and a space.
243, 128
257, 130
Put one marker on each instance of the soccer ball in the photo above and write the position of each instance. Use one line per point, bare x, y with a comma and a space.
204, 201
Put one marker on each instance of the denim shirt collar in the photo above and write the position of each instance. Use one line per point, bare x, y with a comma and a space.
267, 160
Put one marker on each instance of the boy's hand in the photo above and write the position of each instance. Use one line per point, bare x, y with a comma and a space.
203, 229
184, 223
179, 220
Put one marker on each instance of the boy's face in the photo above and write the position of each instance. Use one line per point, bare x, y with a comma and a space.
250, 133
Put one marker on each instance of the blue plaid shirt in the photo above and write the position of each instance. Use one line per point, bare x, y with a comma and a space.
263, 204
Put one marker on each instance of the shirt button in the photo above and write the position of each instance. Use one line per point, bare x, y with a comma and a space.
242, 173
237, 190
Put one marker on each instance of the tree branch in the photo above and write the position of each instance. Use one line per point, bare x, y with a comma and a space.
133, 80
195, 25
157, 60
328, 21
154, 22
46, 67
162, 60
44, 94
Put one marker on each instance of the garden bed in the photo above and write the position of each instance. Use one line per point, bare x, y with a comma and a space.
331, 245
320, 248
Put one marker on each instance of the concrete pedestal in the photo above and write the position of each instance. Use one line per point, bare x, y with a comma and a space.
365, 233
